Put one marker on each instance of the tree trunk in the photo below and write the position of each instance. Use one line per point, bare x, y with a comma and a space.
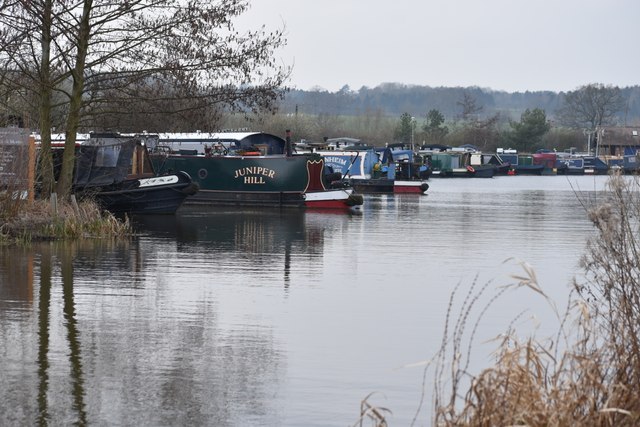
45, 161
75, 104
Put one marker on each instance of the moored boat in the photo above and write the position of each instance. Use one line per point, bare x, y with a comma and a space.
387, 185
521, 164
254, 169
460, 163
115, 170
548, 160
370, 170
579, 164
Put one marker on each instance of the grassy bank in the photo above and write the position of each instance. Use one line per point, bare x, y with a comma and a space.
22, 222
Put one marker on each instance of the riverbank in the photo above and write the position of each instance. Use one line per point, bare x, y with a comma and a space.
23, 222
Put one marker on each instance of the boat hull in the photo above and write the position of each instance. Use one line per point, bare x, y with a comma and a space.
528, 169
333, 199
282, 181
389, 186
158, 195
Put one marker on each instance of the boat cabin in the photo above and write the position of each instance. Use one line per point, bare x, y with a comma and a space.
108, 158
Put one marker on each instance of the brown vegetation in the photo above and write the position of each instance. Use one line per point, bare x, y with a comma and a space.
589, 373
23, 222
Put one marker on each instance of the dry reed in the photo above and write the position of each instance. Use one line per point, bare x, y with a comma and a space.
67, 220
589, 373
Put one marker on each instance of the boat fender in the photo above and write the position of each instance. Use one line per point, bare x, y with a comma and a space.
471, 169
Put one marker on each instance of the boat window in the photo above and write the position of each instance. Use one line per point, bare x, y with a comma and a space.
107, 157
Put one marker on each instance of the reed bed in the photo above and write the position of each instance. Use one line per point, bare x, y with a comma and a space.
588, 373
23, 222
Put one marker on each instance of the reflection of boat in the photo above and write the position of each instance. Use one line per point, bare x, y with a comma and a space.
232, 229
116, 171
241, 232
253, 169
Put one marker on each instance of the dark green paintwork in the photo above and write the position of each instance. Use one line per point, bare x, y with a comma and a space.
242, 179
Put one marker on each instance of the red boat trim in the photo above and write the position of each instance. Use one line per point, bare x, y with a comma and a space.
327, 204
406, 189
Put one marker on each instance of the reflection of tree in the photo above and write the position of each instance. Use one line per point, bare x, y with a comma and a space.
43, 337
142, 335
287, 264
38, 397
44, 314
72, 336
160, 356
159, 362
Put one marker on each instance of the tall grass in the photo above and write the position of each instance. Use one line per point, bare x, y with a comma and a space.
588, 373
68, 220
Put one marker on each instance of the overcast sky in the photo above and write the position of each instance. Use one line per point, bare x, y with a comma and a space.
511, 45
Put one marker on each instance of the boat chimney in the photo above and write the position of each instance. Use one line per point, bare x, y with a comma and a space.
287, 145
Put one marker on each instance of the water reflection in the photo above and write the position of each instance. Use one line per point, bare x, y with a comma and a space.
43, 337
158, 352
243, 230
16, 271
17, 287
253, 242
75, 359
280, 318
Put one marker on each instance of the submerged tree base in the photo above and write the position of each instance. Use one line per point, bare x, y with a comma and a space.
43, 220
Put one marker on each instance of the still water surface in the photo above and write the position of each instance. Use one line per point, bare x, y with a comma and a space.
277, 318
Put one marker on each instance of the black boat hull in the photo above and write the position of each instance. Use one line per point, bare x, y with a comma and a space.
159, 195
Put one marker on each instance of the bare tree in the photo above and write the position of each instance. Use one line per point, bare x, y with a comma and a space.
469, 107
591, 106
162, 56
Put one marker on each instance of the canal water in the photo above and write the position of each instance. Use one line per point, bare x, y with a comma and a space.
234, 317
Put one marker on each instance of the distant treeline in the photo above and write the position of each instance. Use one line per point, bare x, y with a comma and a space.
394, 99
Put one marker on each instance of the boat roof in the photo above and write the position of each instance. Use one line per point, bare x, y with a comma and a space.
208, 136
60, 137
169, 136
345, 139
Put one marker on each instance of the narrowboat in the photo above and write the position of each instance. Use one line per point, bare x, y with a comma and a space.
577, 164
522, 164
461, 163
252, 169
548, 160
384, 170
115, 170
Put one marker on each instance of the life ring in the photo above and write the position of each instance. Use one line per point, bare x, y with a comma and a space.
471, 169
